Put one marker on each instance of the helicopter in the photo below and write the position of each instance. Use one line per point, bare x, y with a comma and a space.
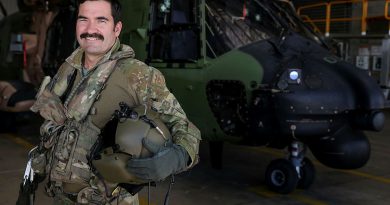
249, 72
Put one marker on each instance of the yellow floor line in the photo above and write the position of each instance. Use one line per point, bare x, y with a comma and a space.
351, 172
306, 200
264, 192
369, 176
20, 141
4, 172
270, 151
144, 201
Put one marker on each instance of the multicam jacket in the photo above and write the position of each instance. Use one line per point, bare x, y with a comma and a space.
93, 99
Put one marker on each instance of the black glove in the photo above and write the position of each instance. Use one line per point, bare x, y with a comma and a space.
166, 160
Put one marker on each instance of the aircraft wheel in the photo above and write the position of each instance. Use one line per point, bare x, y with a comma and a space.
281, 176
307, 174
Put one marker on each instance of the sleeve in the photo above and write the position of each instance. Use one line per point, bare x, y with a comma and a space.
184, 132
149, 85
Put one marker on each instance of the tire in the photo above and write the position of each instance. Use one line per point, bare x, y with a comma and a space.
281, 176
308, 173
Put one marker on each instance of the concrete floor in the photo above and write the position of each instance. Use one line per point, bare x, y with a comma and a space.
241, 181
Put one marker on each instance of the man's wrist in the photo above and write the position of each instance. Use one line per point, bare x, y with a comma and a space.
184, 158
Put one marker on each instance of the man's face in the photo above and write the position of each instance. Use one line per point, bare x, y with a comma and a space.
95, 29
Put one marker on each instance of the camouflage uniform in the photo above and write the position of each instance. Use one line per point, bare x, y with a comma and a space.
89, 106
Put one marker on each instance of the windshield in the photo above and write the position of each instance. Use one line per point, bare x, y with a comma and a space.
235, 23
228, 28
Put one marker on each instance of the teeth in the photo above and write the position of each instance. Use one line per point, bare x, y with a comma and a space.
92, 38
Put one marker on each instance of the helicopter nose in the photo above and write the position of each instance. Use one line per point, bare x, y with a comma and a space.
374, 120
321, 97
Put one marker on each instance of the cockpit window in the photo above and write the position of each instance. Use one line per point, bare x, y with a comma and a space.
175, 31
235, 23
176, 26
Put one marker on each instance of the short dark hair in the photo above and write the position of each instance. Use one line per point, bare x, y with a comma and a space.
116, 8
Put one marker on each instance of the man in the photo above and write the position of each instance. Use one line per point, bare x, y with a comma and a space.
106, 73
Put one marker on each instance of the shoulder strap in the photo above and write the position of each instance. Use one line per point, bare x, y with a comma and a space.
69, 88
90, 91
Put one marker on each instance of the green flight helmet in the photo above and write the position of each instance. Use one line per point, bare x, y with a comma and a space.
130, 126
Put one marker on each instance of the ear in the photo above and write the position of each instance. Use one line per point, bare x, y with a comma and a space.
118, 28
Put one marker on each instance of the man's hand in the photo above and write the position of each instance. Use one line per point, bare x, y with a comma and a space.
166, 160
50, 107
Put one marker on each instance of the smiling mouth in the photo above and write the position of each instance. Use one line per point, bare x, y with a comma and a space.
92, 37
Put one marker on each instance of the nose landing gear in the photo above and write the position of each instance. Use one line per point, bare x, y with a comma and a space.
284, 175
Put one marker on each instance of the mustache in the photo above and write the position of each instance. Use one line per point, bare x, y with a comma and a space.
92, 35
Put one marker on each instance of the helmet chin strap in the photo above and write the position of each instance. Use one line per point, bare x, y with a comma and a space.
149, 193
169, 189
166, 200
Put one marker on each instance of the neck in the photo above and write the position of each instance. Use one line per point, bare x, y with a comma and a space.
90, 60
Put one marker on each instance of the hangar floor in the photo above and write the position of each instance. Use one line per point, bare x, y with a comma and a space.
241, 181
